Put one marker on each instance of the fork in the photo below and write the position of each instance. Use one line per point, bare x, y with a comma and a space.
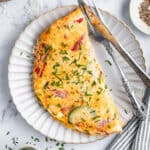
138, 107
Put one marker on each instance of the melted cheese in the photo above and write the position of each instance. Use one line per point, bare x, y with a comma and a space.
66, 75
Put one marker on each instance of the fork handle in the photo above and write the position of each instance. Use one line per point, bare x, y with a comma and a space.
142, 74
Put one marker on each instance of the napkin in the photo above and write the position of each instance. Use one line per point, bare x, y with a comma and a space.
136, 134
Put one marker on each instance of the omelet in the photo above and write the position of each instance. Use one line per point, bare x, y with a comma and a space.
68, 81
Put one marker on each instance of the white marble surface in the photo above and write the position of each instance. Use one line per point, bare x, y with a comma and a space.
15, 15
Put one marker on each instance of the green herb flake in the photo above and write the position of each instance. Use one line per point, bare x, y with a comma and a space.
67, 77
56, 83
90, 72
125, 111
46, 85
63, 44
63, 52
56, 65
46, 138
83, 119
47, 48
65, 58
36, 140
57, 144
96, 117
67, 27
100, 91
107, 111
108, 62
48, 30
87, 94
94, 83
92, 111
8, 133
80, 47
58, 105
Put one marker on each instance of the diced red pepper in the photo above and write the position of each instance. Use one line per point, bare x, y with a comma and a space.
79, 20
37, 70
65, 36
77, 44
42, 69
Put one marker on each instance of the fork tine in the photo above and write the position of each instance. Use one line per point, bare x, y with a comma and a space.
98, 13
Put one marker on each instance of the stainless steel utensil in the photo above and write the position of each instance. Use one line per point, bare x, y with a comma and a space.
138, 106
140, 72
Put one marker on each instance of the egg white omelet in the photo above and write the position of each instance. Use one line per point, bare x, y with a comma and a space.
68, 81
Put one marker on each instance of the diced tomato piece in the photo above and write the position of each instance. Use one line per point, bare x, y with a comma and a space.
77, 44
66, 110
65, 36
37, 70
79, 20
104, 122
61, 94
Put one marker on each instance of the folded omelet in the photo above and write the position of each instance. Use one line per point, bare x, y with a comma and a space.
68, 81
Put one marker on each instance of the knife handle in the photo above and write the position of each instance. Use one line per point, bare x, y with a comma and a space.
140, 72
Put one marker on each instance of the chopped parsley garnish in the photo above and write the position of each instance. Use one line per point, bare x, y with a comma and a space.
108, 62
67, 27
47, 48
99, 80
80, 47
63, 52
65, 58
67, 77
107, 111
92, 111
63, 44
95, 117
48, 30
58, 105
90, 72
75, 62
46, 85
87, 94
57, 84
56, 65
99, 91
84, 68
83, 119
94, 83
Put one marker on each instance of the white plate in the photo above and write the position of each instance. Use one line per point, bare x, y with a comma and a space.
135, 16
20, 79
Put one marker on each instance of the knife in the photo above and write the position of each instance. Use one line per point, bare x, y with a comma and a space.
104, 31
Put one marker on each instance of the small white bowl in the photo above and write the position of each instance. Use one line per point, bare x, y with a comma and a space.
135, 17
27, 147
